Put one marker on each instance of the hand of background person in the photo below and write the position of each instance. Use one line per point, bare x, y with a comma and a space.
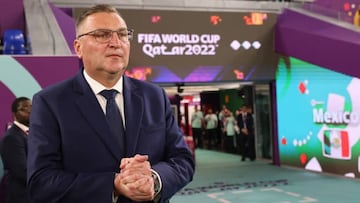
134, 180
245, 131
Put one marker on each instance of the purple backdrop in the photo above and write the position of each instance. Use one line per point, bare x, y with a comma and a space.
12, 16
318, 42
66, 23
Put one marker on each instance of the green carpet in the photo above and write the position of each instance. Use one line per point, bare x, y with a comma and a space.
222, 177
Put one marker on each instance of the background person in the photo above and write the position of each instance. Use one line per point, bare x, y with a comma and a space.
74, 153
13, 150
229, 132
211, 123
221, 125
245, 122
196, 125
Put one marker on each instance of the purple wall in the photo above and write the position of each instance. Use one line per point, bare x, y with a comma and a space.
318, 42
12, 16
66, 24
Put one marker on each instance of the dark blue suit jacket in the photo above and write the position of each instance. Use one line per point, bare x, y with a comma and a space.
249, 121
14, 150
72, 158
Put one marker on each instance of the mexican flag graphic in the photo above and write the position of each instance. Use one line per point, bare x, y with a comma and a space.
336, 144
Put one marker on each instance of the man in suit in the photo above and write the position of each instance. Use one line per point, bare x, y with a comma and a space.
13, 149
245, 122
75, 156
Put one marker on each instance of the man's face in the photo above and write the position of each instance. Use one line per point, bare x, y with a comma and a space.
102, 59
22, 115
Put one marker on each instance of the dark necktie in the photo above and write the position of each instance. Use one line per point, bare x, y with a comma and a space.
113, 117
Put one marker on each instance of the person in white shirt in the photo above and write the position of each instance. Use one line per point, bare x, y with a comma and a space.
211, 123
197, 120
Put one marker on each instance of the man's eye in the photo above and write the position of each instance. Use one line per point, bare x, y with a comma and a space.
123, 34
103, 34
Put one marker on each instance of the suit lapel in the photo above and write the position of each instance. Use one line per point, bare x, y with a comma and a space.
134, 109
92, 113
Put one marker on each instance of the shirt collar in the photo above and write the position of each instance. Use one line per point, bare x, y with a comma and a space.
21, 126
97, 87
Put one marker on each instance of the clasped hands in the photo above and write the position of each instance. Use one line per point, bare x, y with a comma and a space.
134, 180
245, 131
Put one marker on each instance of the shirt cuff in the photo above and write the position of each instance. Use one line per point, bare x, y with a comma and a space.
114, 196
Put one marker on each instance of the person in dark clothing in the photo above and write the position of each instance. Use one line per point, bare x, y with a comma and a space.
246, 139
13, 150
101, 136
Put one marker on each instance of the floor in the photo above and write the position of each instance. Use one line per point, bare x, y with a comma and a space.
222, 177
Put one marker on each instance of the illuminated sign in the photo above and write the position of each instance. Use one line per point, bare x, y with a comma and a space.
335, 117
215, 19
255, 18
168, 44
318, 119
201, 46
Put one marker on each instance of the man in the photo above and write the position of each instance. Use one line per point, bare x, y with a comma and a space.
221, 124
197, 119
211, 123
245, 122
74, 153
13, 149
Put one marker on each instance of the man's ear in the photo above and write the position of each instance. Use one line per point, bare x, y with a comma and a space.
77, 48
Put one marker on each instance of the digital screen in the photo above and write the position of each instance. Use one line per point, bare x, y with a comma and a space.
318, 118
199, 46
